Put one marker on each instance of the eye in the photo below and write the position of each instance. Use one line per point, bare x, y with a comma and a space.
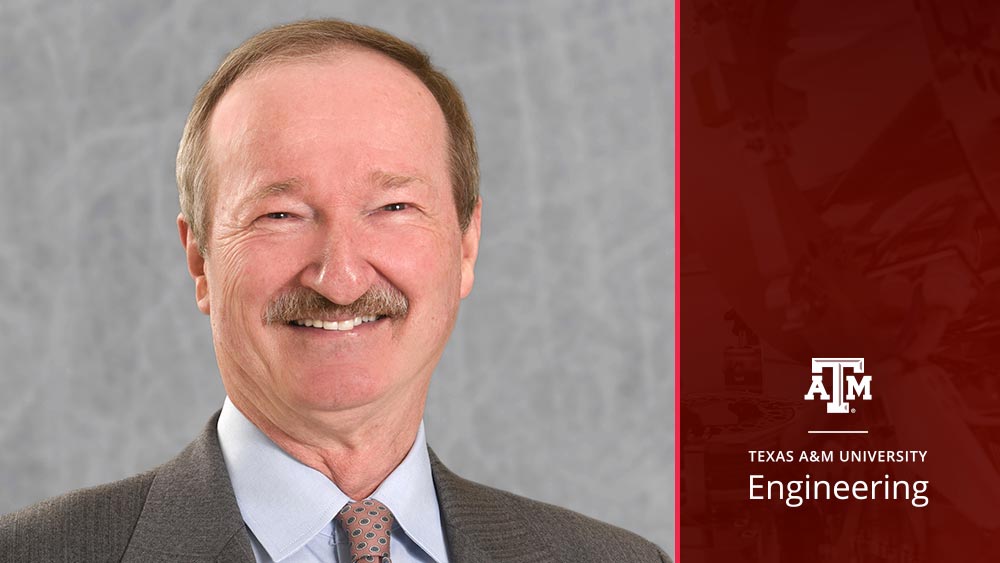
278, 215
394, 207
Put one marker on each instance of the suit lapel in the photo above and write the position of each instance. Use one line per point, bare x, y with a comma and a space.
483, 525
190, 511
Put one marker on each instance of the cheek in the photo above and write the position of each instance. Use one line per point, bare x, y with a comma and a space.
421, 263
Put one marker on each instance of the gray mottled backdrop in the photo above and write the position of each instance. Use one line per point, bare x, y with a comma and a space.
558, 382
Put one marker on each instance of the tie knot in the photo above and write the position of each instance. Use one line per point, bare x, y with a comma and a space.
368, 524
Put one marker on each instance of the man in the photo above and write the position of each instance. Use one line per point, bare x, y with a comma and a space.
330, 217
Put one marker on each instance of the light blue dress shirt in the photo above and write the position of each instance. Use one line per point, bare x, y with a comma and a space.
290, 508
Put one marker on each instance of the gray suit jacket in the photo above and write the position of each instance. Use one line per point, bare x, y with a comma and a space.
185, 511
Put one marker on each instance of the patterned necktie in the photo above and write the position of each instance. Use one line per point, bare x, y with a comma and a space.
368, 524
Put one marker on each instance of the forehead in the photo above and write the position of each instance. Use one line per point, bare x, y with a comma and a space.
352, 111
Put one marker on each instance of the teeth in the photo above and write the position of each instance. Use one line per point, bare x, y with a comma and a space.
349, 324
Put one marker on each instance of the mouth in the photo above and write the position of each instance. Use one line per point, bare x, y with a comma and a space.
344, 325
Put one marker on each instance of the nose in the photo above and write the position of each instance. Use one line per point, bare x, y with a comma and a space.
341, 270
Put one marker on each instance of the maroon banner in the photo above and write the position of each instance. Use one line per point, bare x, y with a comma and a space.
839, 260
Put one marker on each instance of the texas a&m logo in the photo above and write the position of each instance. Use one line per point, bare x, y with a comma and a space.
845, 387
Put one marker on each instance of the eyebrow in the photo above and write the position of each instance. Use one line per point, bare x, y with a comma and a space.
392, 181
269, 190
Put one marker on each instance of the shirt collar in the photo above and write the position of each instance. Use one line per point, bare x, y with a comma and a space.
409, 493
286, 503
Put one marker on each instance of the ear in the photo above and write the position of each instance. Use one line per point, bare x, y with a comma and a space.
470, 248
196, 263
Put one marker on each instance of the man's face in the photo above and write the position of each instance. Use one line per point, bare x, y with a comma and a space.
331, 179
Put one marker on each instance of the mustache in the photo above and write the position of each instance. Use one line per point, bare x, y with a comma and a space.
303, 303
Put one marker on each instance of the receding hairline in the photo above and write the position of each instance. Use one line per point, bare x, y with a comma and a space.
317, 56
326, 57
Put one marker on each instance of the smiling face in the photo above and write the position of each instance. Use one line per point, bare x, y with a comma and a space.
335, 263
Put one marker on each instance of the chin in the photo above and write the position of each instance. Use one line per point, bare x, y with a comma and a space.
340, 388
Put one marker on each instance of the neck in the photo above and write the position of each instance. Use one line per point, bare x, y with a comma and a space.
355, 449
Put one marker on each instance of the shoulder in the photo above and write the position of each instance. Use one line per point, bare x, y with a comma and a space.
85, 525
578, 537
490, 518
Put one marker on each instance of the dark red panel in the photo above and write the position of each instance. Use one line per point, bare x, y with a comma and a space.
839, 197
